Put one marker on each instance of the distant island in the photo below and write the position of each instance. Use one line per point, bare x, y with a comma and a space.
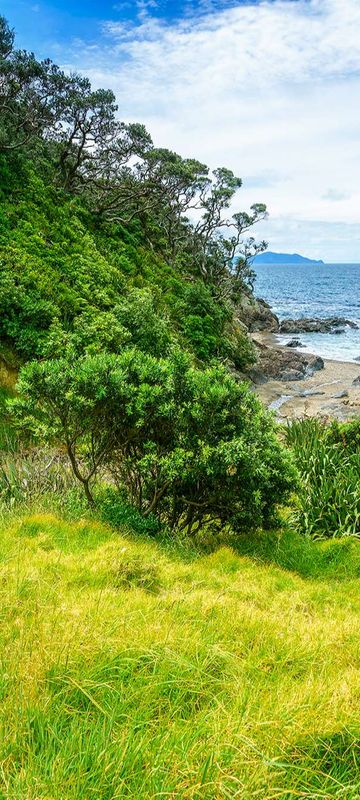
283, 258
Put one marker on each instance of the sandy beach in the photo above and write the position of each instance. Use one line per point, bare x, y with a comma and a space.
327, 393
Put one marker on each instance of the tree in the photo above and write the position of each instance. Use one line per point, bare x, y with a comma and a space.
27, 94
69, 402
86, 127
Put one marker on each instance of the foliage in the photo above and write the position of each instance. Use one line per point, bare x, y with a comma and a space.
60, 282
114, 508
328, 458
72, 138
208, 326
189, 445
345, 435
120, 264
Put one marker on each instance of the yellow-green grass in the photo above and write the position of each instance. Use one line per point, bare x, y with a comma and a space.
128, 670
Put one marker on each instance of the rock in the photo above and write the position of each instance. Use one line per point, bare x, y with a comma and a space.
357, 358
337, 331
273, 361
277, 362
311, 393
340, 395
356, 382
256, 315
315, 364
291, 375
257, 376
294, 343
316, 325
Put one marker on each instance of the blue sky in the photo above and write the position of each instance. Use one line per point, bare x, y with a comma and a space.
269, 88
43, 23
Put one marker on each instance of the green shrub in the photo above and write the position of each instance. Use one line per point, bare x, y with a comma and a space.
344, 434
191, 446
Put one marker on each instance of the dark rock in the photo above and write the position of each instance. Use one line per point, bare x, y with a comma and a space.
356, 382
273, 361
256, 315
257, 376
276, 363
291, 375
337, 331
294, 343
316, 325
340, 395
315, 364
357, 358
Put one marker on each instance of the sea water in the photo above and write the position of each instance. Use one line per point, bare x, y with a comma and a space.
315, 290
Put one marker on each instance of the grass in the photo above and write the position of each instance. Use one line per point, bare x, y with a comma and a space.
328, 459
132, 671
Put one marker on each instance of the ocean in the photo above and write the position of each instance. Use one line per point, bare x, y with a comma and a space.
315, 290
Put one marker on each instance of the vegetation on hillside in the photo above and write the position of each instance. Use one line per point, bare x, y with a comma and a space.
120, 269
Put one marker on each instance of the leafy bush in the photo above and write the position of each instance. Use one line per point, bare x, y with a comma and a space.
328, 458
193, 447
344, 434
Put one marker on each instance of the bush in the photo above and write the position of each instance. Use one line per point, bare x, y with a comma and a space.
191, 446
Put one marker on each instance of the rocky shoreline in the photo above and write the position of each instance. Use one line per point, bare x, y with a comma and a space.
295, 384
333, 325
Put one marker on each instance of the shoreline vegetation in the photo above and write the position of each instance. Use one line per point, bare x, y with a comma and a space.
179, 573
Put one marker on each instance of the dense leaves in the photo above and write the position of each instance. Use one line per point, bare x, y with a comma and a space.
189, 445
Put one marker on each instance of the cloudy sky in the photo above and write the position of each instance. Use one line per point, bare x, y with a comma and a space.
269, 88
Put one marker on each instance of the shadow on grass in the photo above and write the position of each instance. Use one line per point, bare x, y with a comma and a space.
326, 766
337, 559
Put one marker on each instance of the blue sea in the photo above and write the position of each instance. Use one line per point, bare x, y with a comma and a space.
315, 290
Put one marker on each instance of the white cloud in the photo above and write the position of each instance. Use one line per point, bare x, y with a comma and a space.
269, 90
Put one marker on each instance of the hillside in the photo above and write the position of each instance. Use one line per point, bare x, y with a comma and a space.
119, 309
283, 258
97, 230
132, 669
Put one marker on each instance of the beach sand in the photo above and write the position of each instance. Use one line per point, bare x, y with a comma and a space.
316, 396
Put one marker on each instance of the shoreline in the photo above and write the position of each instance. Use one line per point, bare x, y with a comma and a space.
328, 392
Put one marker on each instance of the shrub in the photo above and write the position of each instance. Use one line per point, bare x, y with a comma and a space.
192, 447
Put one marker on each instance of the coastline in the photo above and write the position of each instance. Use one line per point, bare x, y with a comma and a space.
315, 396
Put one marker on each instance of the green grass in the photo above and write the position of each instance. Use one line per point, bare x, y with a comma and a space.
328, 460
128, 670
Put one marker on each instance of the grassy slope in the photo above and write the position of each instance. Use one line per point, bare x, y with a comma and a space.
129, 670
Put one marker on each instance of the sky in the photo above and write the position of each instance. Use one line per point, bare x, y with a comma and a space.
270, 89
